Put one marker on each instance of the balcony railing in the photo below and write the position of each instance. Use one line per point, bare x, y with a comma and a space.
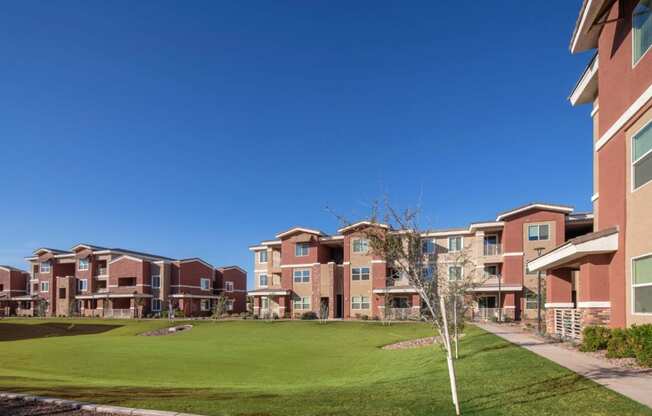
492, 250
492, 276
101, 271
485, 314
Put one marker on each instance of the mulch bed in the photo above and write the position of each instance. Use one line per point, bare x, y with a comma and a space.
20, 407
167, 331
413, 343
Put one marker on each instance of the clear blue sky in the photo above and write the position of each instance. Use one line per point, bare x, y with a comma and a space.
199, 128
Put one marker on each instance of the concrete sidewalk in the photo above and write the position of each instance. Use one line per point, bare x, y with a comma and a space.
635, 384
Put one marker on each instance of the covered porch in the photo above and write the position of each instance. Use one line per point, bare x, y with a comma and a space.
112, 305
271, 302
495, 301
577, 283
396, 303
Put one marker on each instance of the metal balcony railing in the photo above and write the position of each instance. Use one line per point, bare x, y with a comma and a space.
492, 250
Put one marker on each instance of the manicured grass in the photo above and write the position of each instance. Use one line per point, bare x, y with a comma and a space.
288, 368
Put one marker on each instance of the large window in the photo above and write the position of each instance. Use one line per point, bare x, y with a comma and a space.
642, 157
205, 283
228, 286
156, 305
262, 256
401, 303
642, 284
262, 280
302, 276
82, 285
530, 300
360, 302
45, 286
301, 249
302, 303
427, 272
360, 273
264, 303
641, 29
229, 304
454, 273
83, 264
427, 246
45, 267
454, 244
360, 245
156, 282
538, 232
205, 305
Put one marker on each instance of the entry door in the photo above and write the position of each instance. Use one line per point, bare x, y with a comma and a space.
487, 302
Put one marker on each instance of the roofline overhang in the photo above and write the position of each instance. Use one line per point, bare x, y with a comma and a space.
361, 224
299, 230
586, 88
271, 292
547, 207
571, 251
585, 34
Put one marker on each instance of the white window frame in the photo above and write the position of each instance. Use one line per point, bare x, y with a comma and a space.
260, 280
428, 272
79, 265
44, 287
201, 283
363, 245
203, 302
633, 286
230, 304
260, 257
154, 302
360, 273
264, 303
538, 232
453, 237
301, 254
635, 62
302, 275
228, 286
47, 269
153, 279
82, 285
360, 301
301, 303
430, 243
449, 273
634, 162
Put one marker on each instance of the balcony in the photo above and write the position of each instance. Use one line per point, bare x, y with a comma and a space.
101, 272
492, 250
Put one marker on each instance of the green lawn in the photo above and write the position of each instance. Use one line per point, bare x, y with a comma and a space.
288, 368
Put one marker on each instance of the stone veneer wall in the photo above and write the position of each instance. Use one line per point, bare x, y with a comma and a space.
595, 316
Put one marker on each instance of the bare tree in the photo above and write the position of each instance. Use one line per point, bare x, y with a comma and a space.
399, 239
220, 306
323, 313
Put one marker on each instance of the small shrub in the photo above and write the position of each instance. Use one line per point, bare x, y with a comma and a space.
365, 317
595, 338
256, 317
619, 345
640, 339
308, 316
376, 318
275, 316
357, 316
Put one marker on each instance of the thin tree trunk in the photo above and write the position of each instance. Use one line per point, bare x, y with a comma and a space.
457, 348
449, 356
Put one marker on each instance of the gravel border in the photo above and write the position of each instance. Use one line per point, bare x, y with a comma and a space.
41, 405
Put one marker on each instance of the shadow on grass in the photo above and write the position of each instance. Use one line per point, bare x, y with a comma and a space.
16, 332
554, 387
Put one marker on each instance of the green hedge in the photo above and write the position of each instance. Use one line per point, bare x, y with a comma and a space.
633, 342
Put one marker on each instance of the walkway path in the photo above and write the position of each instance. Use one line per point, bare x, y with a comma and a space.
634, 384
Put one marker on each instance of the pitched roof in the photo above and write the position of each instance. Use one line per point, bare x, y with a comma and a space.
300, 230
362, 223
535, 205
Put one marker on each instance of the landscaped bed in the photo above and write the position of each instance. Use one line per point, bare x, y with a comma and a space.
288, 368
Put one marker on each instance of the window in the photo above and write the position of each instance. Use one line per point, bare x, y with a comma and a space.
427, 246
264, 303
538, 232
262, 280
530, 300
641, 29
228, 286
229, 304
400, 303
205, 305
302, 303
454, 244
156, 305
360, 245
427, 272
62, 293
642, 284
302, 276
642, 157
45, 286
82, 285
83, 264
126, 281
262, 256
360, 302
454, 273
156, 282
490, 271
301, 249
45, 267
360, 273
204, 283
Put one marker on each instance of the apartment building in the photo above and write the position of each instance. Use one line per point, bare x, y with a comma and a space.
95, 281
305, 269
13, 289
614, 263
